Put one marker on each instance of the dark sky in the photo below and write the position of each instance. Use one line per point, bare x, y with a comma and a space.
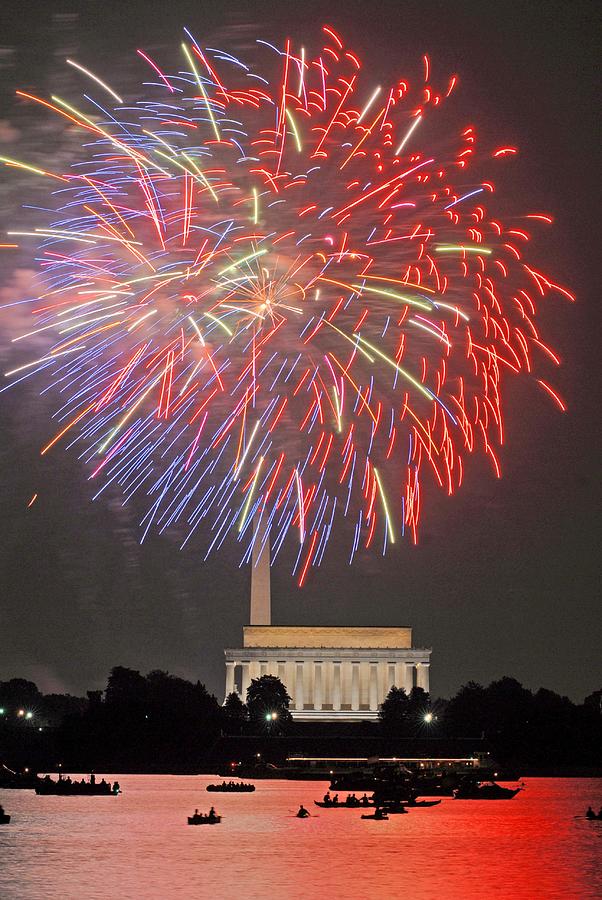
506, 578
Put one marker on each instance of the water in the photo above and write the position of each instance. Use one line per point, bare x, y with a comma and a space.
138, 845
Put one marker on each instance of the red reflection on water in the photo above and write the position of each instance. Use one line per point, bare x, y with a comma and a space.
138, 845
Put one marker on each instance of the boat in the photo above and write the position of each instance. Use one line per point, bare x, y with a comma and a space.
382, 818
342, 805
418, 804
4, 819
591, 816
204, 820
483, 790
232, 787
396, 810
65, 787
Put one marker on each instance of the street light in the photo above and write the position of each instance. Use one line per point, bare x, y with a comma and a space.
270, 717
428, 718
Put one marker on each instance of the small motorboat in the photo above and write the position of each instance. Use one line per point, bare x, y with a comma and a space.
4, 819
483, 790
204, 820
422, 804
232, 787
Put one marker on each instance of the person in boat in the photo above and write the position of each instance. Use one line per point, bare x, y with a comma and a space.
303, 813
379, 813
335, 800
212, 815
2, 813
116, 787
364, 801
348, 800
327, 799
590, 814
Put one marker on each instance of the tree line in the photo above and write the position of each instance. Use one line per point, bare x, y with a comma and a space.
162, 723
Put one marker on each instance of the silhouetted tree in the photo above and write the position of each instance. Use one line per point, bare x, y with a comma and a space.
235, 714
19, 693
393, 711
419, 703
267, 696
593, 702
466, 712
402, 715
125, 687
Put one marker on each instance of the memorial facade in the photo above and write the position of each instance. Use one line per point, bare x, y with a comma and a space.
330, 673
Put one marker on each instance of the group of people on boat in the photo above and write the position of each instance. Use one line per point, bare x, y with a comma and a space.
211, 816
590, 814
233, 786
67, 785
350, 800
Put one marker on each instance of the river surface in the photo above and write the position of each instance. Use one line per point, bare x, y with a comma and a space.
138, 845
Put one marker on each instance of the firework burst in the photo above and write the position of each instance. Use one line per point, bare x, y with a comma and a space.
266, 300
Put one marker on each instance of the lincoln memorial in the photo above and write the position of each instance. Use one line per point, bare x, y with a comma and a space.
340, 673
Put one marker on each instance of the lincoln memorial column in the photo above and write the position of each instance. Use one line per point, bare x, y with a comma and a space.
292, 687
373, 696
422, 676
230, 665
391, 678
299, 687
318, 684
246, 680
336, 685
382, 684
355, 685
409, 678
400, 674
282, 672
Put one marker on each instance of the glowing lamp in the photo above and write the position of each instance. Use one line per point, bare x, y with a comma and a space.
428, 717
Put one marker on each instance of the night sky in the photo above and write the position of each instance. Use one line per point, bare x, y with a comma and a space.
506, 576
